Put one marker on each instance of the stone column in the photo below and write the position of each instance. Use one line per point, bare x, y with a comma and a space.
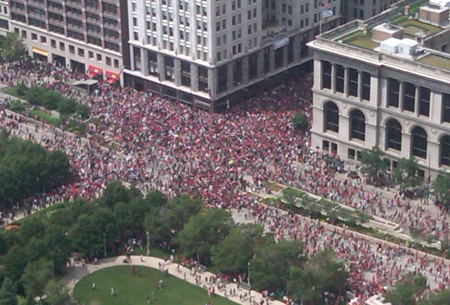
297, 46
433, 156
401, 96
194, 77
406, 145
162, 67
230, 78
245, 70
346, 80
333, 78
144, 62
260, 67
417, 101
177, 71
360, 86
272, 59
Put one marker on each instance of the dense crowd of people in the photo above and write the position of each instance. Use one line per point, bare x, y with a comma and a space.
140, 137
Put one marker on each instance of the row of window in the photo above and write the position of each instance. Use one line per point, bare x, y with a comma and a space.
353, 80
419, 137
403, 95
62, 46
169, 70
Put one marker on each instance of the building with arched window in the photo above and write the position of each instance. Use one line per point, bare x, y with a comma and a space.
377, 86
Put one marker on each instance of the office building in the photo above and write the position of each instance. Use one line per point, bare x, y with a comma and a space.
88, 35
4, 17
363, 9
384, 83
214, 53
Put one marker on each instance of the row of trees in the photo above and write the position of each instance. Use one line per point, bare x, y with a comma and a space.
405, 174
34, 257
408, 290
51, 99
26, 168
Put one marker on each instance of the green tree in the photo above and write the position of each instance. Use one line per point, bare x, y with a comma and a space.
440, 187
437, 298
57, 168
372, 164
300, 121
15, 262
114, 193
35, 277
406, 290
203, 231
31, 227
34, 95
56, 294
322, 273
83, 111
12, 47
236, 250
165, 220
50, 99
66, 106
406, 173
272, 263
58, 247
8, 293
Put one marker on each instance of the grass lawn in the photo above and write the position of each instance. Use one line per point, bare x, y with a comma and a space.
49, 119
133, 290
12, 91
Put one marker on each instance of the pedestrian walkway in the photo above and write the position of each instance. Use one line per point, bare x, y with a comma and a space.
77, 272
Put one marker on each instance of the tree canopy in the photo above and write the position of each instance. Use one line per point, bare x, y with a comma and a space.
440, 187
406, 173
26, 168
372, 163
406, 290
12, 47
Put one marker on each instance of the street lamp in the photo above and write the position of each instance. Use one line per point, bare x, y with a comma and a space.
148, 242
104, 243
248, 278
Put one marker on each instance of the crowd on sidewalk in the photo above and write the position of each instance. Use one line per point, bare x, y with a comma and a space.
174, 148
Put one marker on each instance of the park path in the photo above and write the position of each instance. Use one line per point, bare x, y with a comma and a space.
77, 272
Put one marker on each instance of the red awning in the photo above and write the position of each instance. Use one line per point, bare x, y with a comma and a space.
94, 71
111, 80
111, 77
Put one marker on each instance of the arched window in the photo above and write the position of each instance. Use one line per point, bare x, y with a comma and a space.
445, 150
357, 125
394, 135
331, 117
419, 142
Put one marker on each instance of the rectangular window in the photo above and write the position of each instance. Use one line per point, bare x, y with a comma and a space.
366, 86
353, 82
351, 153
334, 148
326, 75
410, 97
325, 145
446, 107
424, 103
340, 78
393, 92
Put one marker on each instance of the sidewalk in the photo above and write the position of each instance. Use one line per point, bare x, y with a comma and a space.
77, 272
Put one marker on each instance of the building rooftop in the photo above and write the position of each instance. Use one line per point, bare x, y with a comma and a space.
434, 60
364, 38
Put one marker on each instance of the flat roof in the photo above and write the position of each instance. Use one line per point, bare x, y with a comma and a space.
435, 60
354, 39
